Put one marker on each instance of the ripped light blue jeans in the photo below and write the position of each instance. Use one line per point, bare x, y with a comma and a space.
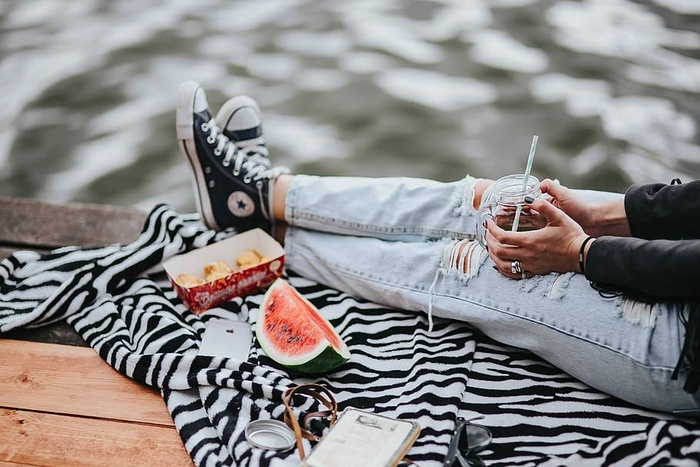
409, 243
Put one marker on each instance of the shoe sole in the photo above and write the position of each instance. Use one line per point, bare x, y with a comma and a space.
184, 123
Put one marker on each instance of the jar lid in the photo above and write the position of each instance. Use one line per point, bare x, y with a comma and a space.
270, 434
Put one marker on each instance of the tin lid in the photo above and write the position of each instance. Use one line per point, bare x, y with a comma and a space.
270, 434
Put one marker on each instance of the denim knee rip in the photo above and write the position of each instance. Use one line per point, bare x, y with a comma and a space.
465, 258
463, 197
462, 258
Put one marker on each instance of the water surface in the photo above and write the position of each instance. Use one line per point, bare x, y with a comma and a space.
417, 88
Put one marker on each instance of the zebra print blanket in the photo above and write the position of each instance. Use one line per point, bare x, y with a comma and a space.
119, 300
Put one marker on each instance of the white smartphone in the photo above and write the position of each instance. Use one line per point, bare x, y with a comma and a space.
223, 338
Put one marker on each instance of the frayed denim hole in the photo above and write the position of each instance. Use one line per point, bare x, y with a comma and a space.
639, 313
552, 286
461, 259
557, 284
462, 198
528, 285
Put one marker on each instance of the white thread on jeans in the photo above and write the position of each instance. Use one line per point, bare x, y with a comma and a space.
431, 296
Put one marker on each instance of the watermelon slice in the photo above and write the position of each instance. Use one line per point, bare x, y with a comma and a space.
293, 333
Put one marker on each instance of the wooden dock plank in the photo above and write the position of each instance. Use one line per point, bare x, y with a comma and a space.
35, 438
72, 380
44, 225
63, 405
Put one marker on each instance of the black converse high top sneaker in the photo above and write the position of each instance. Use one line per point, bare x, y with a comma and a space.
232, 188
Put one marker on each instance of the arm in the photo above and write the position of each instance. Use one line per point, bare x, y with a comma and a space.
658, 268
664, 211
647, 211
658, 262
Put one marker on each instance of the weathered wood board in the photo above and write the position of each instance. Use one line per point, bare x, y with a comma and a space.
63, 405
41, 225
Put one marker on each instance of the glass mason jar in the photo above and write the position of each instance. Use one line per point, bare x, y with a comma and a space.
501, 201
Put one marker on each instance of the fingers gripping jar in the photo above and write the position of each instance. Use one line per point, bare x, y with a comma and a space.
500, 203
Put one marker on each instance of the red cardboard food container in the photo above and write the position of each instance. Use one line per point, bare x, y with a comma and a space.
239, 283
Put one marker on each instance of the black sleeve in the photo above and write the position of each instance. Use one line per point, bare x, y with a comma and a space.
664, 211
665, 269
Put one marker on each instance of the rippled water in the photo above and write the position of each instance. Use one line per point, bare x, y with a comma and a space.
376, 87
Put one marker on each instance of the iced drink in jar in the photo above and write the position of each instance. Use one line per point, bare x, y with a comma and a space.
503, 199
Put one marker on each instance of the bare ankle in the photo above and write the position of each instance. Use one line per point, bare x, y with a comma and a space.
480, 188
279, 202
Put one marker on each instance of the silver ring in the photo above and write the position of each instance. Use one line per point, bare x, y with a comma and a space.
515, 267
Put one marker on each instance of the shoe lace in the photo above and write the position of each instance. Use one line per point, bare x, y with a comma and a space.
250, 166
258, 150
251, 160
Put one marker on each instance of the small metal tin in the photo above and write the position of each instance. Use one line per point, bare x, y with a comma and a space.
270, 434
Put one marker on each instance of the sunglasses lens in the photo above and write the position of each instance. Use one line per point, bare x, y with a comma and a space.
463, 443
467, 440
477, 437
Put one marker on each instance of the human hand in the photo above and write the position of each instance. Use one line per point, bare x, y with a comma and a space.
554, 248
581, 212
596, 219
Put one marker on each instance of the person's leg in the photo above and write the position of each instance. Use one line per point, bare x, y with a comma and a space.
406, 209
235, 186
621, 347
390, 208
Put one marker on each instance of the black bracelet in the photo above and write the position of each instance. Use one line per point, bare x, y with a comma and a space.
580, 254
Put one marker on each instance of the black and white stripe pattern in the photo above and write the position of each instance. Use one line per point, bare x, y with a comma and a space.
119, 300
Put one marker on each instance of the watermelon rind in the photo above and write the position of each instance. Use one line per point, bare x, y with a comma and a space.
322, 357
